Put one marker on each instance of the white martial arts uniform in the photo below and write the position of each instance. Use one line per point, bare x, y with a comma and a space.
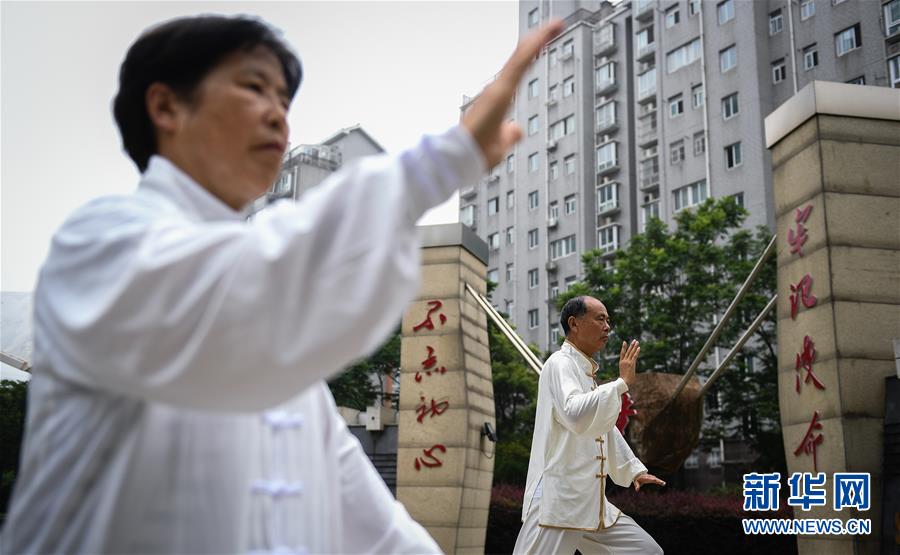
176, 403
576, 445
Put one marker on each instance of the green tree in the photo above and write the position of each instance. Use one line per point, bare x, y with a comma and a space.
362, 384
665, 289
13, 401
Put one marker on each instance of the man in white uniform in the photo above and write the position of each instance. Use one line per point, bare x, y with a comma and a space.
576, 445
176, 404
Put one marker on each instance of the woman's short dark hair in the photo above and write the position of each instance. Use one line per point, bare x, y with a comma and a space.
180, 53
574, 307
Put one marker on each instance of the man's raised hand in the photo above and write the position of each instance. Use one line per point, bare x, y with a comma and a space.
485, 120
628, 361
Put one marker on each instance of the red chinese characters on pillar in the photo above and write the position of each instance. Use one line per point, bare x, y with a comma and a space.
428, 458
429, 364
805, 360
810, 441
800, 294
797, 239
626, 412
436, 409
427, 323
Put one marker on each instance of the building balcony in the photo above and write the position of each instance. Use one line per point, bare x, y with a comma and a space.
552, 267
607, 208
604, 87
468, 192
647, 131
605, 128
646, 95
607, 167
645, 52
649, 179
643, 10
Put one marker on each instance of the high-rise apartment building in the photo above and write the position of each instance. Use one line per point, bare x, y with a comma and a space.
642, 109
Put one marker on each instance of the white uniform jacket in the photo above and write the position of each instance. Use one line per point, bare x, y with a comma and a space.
167, 329
576, 445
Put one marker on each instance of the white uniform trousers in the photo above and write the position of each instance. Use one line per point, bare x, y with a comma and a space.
623, 537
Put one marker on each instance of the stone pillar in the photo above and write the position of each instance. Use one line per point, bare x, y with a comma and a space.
836, 165
445, 466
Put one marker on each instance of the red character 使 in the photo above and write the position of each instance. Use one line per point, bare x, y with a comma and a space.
429, 460
798, 239
436, 409
427, 323
810, 441
429, 365
805, 360
800, 294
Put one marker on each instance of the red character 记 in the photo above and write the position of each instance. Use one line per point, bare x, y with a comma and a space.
800, 294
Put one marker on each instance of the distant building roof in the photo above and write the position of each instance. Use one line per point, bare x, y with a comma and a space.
352, 129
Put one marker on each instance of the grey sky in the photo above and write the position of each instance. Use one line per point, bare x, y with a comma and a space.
397, 68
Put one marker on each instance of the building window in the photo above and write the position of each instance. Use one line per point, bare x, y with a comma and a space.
698, 97
569, 162
644, 38
894, 71
776, 22
693, 7
554, 169
606, 115
467, 215
732, 156
649, 211
562, 128
730, 106
891, 17
738, 199
533, 318
861, 80
847, 40
726, 11
676, 152
553, 94
510, 163
533, 163
570, 280
690, 195
493, 241
554, 290
554, 335
532, 125
607, 197
533, 18
510, 271
683, 55
554, 57
570, 204
511, 235
673, 16
553, 210
605, 76
510, 199
533, 278
779, 73
493, 275
728, 58
647, 82
811, 57
608, 238
807, 9
568, 86
562, 247
568, 49
699, 143
532, 238
676, 106
607, 157
493, 205
510, 308
533, 88
532, 200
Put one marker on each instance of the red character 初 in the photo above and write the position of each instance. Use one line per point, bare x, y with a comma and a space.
798, 239
800, 294
429, 365
805, 360
810, 441
429, 460
427, 323
626, 412
436, 409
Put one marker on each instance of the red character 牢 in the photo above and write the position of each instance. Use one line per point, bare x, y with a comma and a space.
805, 360
810, 441
429, 363
427, 323
433, 460
800, 293
798, 239
436, 409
